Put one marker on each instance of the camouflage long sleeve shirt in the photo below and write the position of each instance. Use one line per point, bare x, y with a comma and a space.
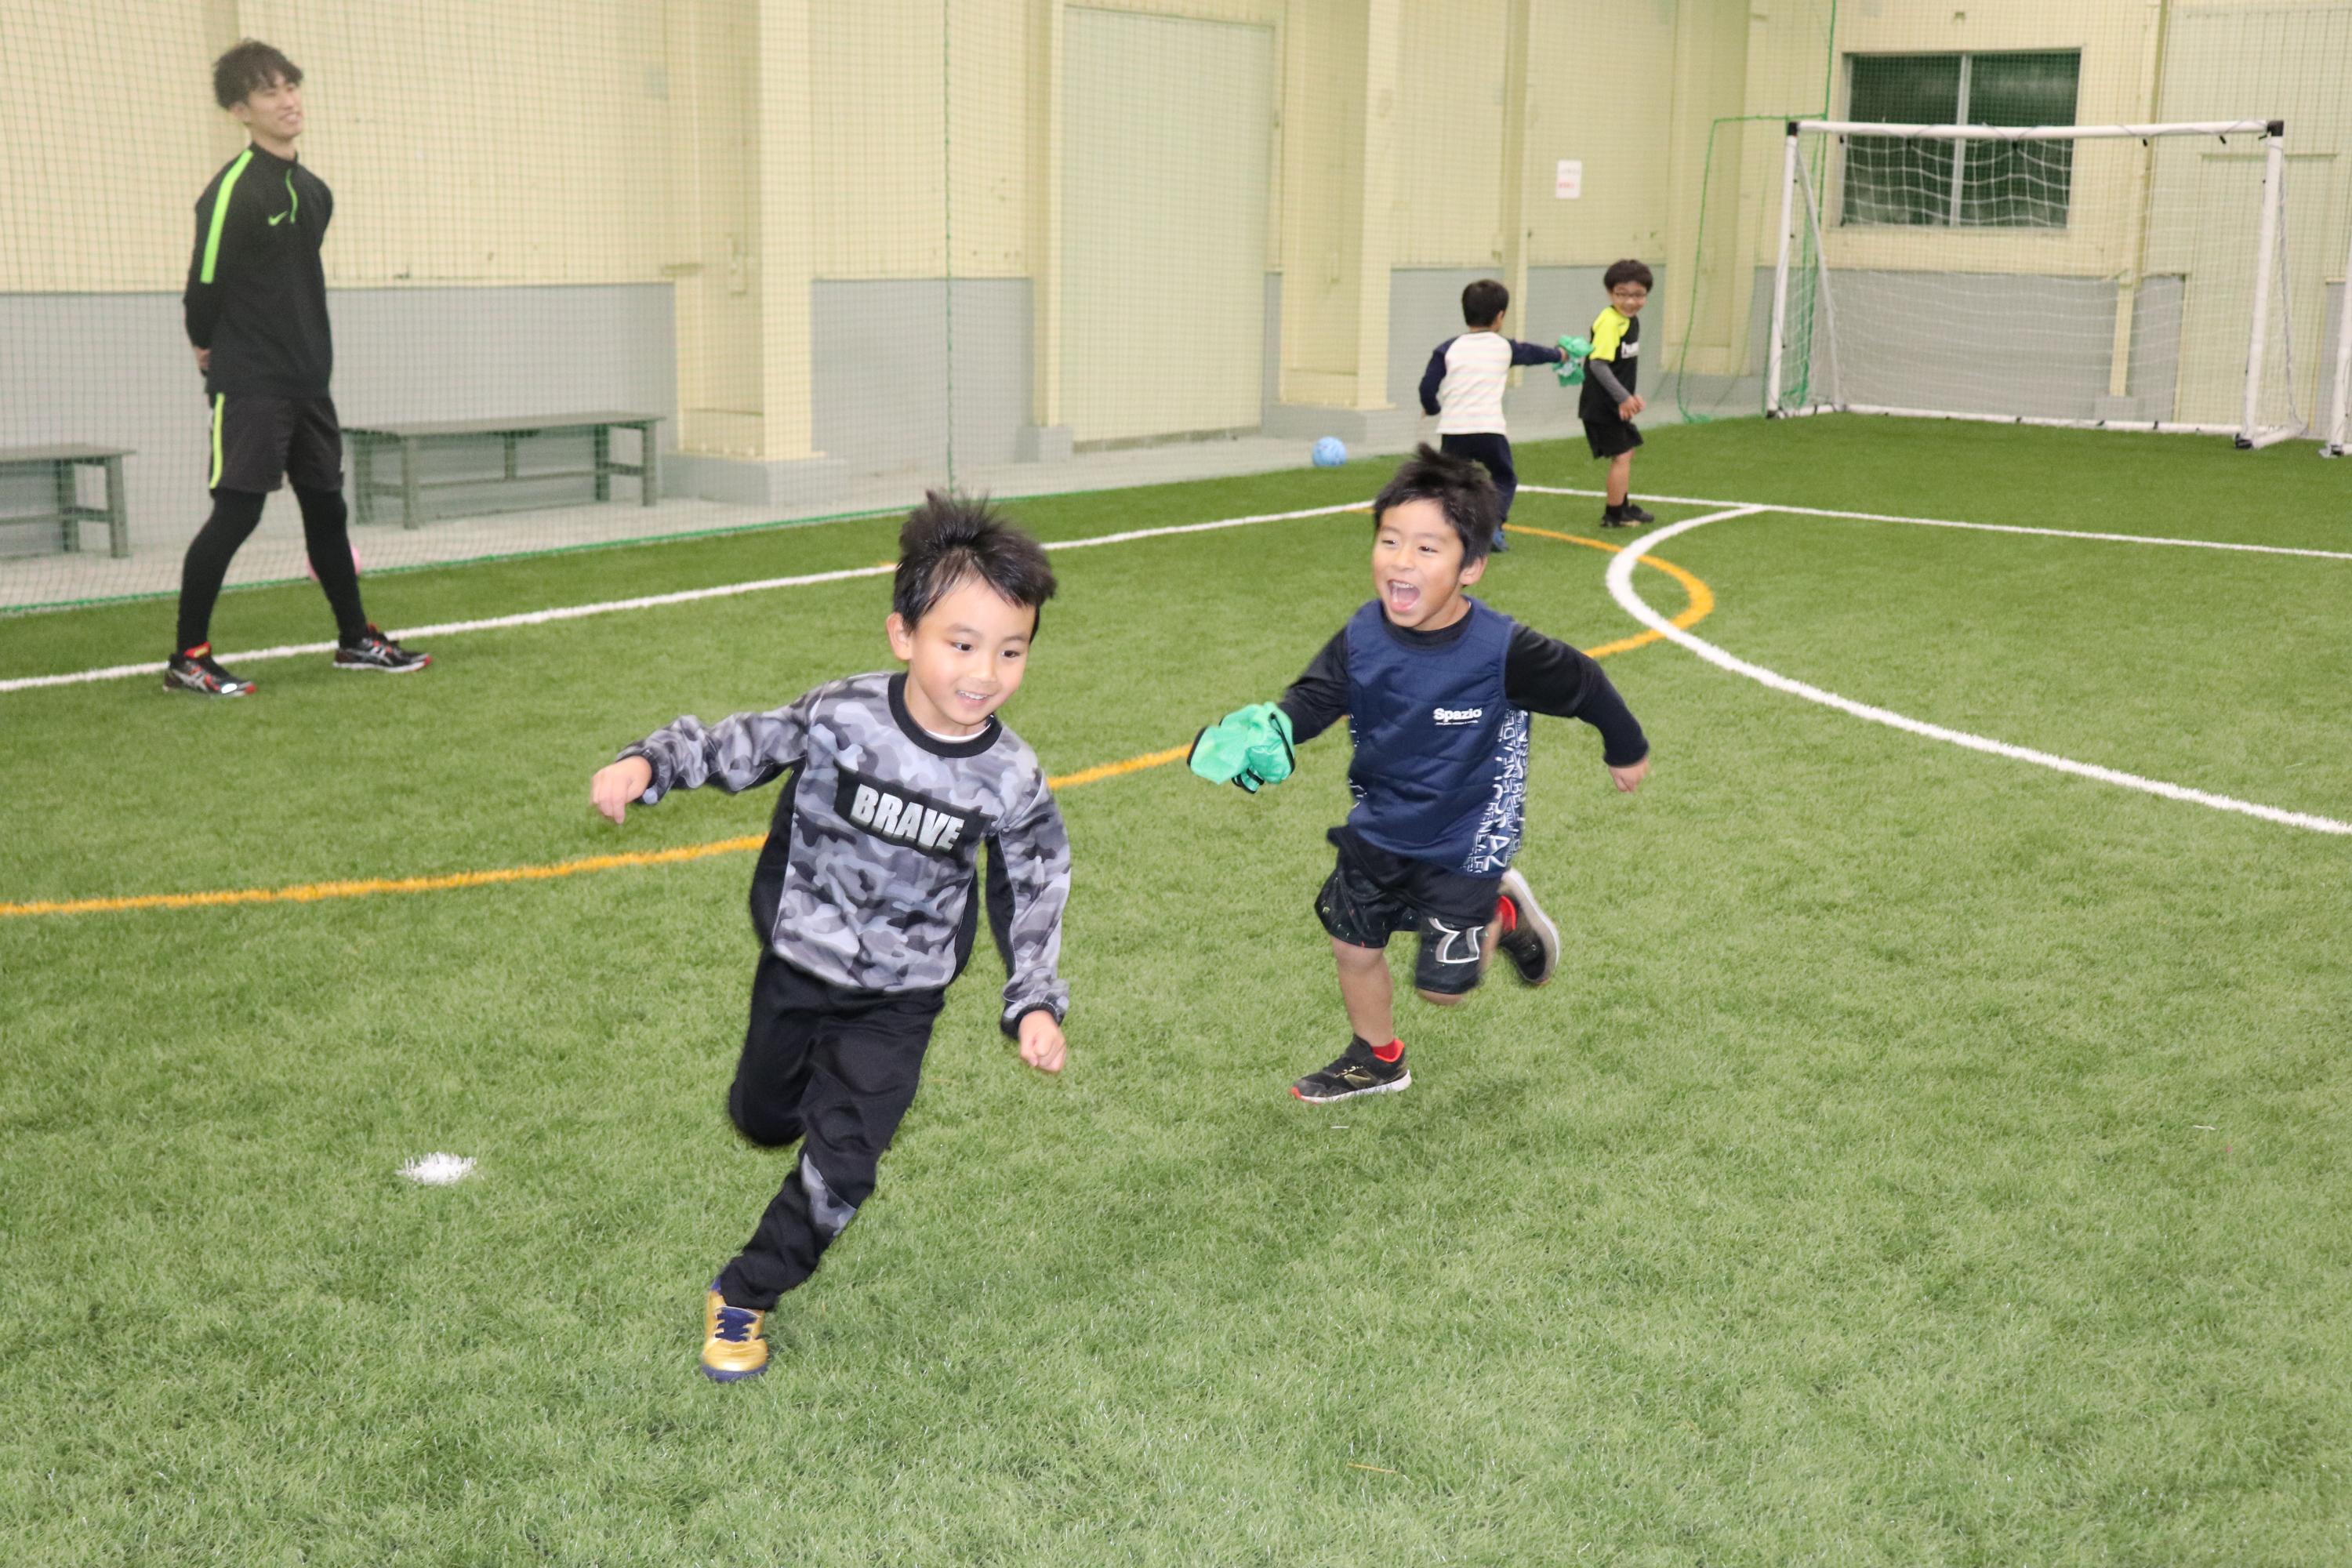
868, 877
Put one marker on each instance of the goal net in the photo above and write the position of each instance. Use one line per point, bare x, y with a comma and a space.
2121, 277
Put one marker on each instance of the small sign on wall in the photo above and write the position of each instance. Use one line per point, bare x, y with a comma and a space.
1567, 184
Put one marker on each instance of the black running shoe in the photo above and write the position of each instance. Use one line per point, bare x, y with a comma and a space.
378, 652
196, 671
1529, 941
1357, 1071
1634, 512
1614, 517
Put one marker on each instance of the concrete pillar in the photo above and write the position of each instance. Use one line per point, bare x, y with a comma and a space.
787, 231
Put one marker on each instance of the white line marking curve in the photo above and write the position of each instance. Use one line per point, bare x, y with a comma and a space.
652, 601
1621, 588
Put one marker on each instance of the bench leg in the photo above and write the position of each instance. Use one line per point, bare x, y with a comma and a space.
408, 508
363, 479
117, 514
63, 492
604, 464
648, 467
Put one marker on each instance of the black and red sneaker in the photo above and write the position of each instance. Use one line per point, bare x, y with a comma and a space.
196, 671
378, 652
1528, 938
1360, 1070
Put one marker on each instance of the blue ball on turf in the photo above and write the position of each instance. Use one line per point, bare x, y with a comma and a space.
1330, 452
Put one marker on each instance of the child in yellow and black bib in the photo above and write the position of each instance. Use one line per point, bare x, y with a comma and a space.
1611, 374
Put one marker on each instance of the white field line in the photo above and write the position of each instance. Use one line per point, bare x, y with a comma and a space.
1972, 527
650, 601
1621, 588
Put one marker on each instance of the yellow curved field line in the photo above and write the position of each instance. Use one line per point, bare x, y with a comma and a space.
1702, 603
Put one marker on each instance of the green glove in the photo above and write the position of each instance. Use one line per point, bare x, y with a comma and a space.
1571, 369
1248, 748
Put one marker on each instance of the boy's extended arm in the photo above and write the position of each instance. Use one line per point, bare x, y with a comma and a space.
1029, 877
1535, 353
1544, 674
1433, 377
740, 752
1318, 698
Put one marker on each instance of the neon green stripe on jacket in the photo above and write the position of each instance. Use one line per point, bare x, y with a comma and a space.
220, 216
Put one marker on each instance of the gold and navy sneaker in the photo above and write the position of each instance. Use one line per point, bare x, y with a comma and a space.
732, 1349
1357, 1071
1529, 939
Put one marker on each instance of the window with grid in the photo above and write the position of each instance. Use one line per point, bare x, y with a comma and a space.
1960, 184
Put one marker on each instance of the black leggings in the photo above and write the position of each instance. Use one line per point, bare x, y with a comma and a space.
236, 513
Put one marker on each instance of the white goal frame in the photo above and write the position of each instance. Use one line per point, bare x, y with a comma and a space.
2336, 435
2247, 433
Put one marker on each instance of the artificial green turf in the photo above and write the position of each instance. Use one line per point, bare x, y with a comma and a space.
1848, 1199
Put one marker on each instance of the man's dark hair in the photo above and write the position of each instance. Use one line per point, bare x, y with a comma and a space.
1483, 301
1457, 485
950, 538
1627, 271
249, 68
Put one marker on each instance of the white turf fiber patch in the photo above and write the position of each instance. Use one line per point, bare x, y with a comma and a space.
439, 1170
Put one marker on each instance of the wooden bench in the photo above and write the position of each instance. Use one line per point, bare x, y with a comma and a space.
66, 513
367, 442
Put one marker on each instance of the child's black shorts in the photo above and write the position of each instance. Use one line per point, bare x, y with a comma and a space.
259, 442
1371, 894
1607, 435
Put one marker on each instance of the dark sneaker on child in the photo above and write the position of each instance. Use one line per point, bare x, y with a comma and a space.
1636, 512
1357, 1071
1502, 543
1614, 517
196, 671
1529, 940
378, 652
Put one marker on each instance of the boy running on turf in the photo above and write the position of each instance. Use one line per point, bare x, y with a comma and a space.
1464, 387
1437, 689
866, 897
256, 316
1610, 402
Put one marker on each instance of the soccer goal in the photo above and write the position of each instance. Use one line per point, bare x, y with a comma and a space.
2114, 277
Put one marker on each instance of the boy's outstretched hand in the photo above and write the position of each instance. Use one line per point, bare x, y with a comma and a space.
618, 784
1041, 1045
1629, 779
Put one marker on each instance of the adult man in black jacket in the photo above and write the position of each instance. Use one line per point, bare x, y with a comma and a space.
256, 312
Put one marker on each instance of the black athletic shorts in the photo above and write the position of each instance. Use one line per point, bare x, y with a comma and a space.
1372, 894
259, 441
1607, 435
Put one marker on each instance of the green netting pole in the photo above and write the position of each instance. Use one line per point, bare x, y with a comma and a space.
1707, 176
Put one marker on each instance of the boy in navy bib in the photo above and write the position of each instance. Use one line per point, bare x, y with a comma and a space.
1437, 689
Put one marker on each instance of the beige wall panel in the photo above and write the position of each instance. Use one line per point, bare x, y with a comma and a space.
110, 132
1449, 135
1323, 180
516, 142
1600, 89
1168, 139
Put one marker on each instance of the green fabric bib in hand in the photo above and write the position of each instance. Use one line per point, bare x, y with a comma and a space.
1248, 748
1571, 369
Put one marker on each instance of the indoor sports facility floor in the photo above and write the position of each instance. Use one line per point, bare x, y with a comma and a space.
1929, 1154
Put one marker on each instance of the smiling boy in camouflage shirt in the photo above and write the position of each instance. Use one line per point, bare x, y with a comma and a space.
867, 896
